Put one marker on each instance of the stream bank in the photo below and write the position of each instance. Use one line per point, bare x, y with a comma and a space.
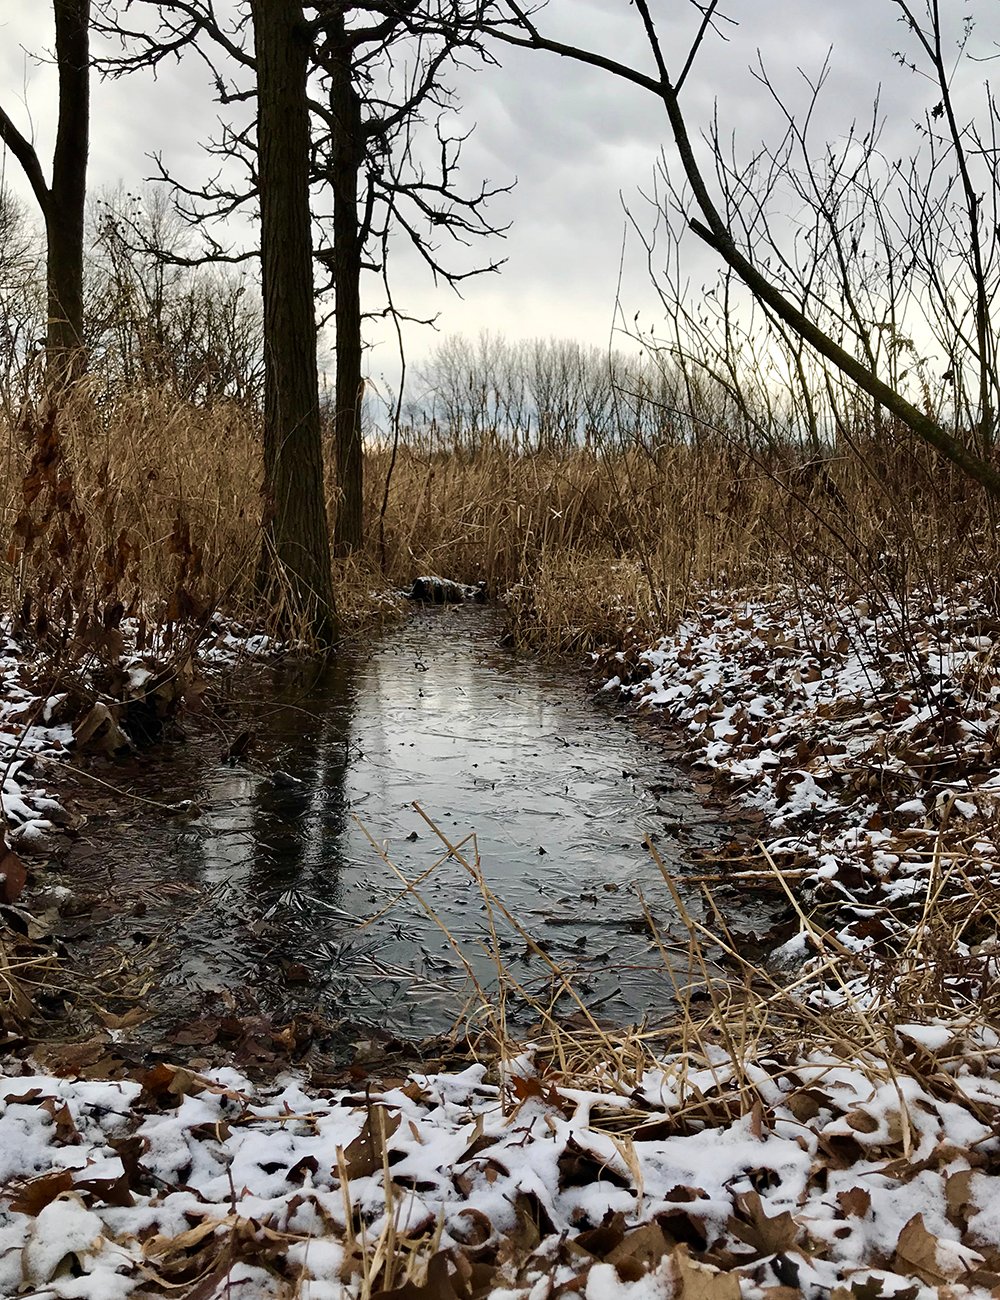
833, 1136
275, 899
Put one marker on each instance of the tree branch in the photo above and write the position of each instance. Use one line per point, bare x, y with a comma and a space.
24, 151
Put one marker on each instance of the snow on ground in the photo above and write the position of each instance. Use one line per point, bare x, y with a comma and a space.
37, 733
833, 1178
868, 736
30, 731
810, 1165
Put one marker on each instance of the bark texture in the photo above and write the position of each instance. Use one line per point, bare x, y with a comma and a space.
62, 203
296, 561
64, 211
347, 157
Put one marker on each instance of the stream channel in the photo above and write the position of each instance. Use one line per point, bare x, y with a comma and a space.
259, 896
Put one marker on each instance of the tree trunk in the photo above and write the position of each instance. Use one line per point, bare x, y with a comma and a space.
348, 152
64, 212
296, 559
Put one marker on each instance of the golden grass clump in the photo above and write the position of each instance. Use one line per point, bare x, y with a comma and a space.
152, 504
599, 545
139, 507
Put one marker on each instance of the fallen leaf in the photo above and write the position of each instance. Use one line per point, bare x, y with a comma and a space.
198, 1033
600, 1241
766, 1235
167, 1085
90, 1060
32, 1198
479, 1141
306, 1165
958, 1195
807, 1103
474, 1227
787, 1270
855, 1202
683, 1226
917, 1253
685, 1195
129, 1020
871, 1288
840, 1149
106, 1191
364, 1156
579, 1167
130, 1151
66, 1132
98, 730
532, 1224
439, 1284
531, 1086
13, 877
696, 1281
33, 1097
639, 1252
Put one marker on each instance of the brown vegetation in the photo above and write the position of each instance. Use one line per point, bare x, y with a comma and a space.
159, 502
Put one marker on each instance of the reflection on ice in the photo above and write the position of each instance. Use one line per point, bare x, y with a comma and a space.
550, 794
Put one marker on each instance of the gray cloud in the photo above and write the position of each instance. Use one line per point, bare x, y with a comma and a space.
576, 140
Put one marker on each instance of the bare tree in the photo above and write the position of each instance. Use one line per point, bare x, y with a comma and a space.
378, 72
297, 543
150, 323
63, 201
294, 573
22, 299
382, 76
489, 389
729, 221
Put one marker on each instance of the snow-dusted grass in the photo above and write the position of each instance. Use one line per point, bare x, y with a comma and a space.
831, 1174
869, 737
30, 732
828, 1132
39, 733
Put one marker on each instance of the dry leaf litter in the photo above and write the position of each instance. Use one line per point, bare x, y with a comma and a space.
807, 1164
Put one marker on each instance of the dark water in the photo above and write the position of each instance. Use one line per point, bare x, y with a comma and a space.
549, 791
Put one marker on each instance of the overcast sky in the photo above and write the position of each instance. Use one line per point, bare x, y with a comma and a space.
579, 143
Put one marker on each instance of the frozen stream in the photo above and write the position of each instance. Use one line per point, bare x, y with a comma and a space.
259, 897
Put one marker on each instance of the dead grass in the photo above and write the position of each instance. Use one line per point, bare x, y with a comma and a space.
149, 503
147, 506
599, 546
730, 1013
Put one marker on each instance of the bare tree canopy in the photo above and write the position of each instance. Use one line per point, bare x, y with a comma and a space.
375, 89
725, 213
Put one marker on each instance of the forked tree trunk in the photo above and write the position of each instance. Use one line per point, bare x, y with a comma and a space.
62, 203
348, 152
296, 561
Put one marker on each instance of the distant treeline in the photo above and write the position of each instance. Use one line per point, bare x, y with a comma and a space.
548, 394
193, 331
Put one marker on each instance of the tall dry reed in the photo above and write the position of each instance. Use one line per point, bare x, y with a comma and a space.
145, 504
